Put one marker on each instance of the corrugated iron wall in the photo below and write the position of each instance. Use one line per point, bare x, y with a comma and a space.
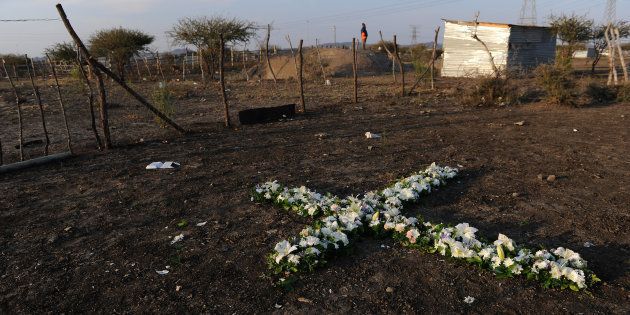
465, 57
530, 47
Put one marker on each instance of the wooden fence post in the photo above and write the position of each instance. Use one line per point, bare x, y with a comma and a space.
226, 109
97, 65
400, 65
245, 64
319, 58
137, 68
300, 76
90, 100
184, 65
275, 81
159, 65
39, 103
19, 111
63, 109
354, 70
389, 54
433, 57
15, 73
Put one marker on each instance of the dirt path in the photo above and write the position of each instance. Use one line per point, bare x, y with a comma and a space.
88, 235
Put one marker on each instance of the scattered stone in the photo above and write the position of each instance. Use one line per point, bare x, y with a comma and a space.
304, 300
162, 272
370, 147
389, 290
575, 130
515, 194
540, 177
370, 135
321, 135
177, 288
520, 123
278, 306
588, 244
177, 238
551, 178
202, 223
469, 300
68, 229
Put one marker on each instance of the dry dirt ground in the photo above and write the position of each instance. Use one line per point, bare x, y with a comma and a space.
87, 235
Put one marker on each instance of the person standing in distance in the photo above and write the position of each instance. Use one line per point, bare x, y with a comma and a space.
364, 34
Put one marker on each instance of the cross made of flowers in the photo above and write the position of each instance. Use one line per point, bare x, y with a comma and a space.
340, 222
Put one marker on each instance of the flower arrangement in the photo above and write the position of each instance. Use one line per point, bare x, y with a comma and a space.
339, 222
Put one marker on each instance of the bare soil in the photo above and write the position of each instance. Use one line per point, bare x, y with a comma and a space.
87, 235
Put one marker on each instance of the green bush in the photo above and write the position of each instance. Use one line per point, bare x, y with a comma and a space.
623, 94
489, 91
557, 83
599, 93
163, 100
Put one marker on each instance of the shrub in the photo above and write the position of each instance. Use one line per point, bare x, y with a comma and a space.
163, 100
599, 93
557, 83
490, 91
623, 94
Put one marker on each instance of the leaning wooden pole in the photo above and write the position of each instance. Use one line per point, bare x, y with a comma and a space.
319, 59
90, 100
300, 75
15, 73
275, 80
39, 104
95, 64
354, 70
226, 109
400, 66
159, 65
63, 108
389, 54
622, 60
19, 112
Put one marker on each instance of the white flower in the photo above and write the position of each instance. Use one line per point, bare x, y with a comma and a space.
389, 226
407, 194
293, 259
486, 253
309, 241
555, 272
466, 232
458, 250
576, 276
517, 269
412, 235
400, 227
505, 241
496, 262
508, 262
311, 209
283, 249
312, 251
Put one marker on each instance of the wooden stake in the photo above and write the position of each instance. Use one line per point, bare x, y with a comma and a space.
184, 65
39, 103
63, 109
159, 65
245, 64
146, 65
97, 65
300, 74
90, 99
15, 73
138, 69
390, 55
400, 65
267, 53
622, 61
354, 70
319, 58
295, 62
226, 109
433, 57
19, 111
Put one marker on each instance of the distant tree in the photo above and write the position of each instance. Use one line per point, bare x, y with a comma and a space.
599, 39
571, 30
120, 45
203, 33
62, 52
12, 59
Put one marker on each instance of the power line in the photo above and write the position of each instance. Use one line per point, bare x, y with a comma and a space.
30, 20
528, 13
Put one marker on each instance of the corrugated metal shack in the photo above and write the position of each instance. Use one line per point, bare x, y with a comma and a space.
513, 47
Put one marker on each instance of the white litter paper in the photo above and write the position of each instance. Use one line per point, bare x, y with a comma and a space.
370, 135
162, 272
177, 238
163, 165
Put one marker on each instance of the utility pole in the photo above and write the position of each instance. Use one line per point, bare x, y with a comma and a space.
611, 11
334, 29
528, 14
414, 34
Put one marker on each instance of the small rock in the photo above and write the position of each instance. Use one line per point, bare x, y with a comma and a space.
389, 290
177, 288
575, 130
588, 244
321, 135
278, 306
515, 194
520, 123
304, 300
469, 300
540, 177
370, 147
68, 229
551, 178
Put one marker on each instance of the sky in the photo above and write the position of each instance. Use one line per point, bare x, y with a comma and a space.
301, 19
